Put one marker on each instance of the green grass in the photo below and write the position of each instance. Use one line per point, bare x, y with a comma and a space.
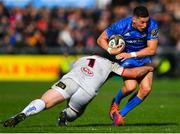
160, 112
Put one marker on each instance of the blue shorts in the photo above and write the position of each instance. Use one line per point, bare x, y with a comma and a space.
135, 62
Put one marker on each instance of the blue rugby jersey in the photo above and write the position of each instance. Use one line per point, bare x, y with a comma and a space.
135, 40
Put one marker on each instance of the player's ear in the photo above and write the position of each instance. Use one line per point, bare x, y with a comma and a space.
134, 19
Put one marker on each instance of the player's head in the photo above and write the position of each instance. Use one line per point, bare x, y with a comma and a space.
140, 18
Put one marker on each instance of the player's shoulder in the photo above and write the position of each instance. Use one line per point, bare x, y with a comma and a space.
123, 23
152, 22
152, 29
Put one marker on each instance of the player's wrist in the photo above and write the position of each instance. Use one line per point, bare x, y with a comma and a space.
133, 54
109, 50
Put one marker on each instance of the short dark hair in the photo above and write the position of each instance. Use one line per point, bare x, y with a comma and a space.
141, 11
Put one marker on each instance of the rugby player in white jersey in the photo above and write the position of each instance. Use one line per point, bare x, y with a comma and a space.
80, 86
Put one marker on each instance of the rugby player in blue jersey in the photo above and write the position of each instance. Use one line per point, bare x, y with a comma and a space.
140, 33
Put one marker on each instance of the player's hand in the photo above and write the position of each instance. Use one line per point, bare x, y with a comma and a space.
123, 56
117, 50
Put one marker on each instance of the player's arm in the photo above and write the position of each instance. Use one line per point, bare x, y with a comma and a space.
102, 41
136, 72
150, 50
131, 72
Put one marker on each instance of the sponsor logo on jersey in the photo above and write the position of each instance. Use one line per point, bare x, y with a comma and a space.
87, 71
135, 41
127, 34
154, 33
144, 35
61, 85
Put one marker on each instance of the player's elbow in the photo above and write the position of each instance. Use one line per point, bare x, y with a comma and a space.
152, 52
99, 41
102, 39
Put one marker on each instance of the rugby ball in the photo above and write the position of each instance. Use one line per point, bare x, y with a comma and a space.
116, 40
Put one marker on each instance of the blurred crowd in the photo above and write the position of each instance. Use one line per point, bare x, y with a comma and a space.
79, 28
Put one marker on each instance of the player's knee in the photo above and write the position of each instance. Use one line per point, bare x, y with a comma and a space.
71, 114
49, 102
145, 91
128, 88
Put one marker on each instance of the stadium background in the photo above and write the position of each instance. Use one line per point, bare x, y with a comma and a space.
39, 41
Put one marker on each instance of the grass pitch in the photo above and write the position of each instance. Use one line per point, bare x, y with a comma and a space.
160, 112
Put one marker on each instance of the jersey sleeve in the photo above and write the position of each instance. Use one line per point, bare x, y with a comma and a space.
116, 28
153, 31
116, 68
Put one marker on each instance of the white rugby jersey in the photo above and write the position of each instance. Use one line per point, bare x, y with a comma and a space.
90, 72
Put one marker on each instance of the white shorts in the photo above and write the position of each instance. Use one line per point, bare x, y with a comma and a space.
70, 87
79, 100
78, 97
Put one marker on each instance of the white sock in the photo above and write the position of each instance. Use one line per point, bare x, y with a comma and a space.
34, 107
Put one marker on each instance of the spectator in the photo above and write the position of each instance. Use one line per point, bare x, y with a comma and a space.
79, 28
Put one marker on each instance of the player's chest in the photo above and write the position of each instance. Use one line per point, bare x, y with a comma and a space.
134, 34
